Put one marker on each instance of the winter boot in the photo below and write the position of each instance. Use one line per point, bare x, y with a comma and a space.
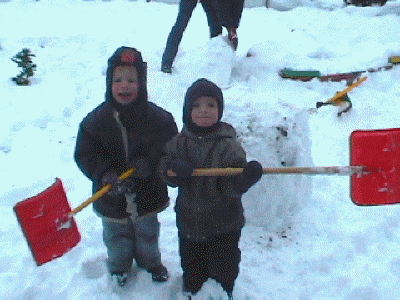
166, 69
120, 278
233, 38
159, 274
230, 296
187, 295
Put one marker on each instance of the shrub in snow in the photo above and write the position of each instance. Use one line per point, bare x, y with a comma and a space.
24, 61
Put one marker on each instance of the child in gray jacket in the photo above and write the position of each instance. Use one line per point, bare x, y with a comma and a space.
209, 211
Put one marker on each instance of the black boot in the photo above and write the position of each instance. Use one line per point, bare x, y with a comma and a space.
120, 278
159, 274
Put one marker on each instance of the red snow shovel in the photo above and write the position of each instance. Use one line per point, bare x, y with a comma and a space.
47, 221
374, 167
380, 151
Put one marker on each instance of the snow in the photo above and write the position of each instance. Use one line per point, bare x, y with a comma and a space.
304, 238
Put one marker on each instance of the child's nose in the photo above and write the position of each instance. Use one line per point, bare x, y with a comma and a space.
124, 83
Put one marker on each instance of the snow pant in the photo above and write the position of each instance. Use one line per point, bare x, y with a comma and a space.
186, 8
217, 258
134, 240
229, 12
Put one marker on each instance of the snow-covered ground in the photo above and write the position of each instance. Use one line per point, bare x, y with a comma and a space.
304, 238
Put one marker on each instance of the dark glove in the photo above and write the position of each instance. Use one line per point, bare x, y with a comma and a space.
118, 186
182, 168
141, 168
252, 173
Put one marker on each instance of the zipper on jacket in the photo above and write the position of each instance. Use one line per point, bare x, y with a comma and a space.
131, 206
124, 134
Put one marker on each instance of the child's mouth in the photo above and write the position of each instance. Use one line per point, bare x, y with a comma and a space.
125, 96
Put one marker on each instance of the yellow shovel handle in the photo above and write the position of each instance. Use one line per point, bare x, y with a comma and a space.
346, 90
343, 170
99, 194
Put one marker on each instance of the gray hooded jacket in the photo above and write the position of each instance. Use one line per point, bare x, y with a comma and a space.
206, 206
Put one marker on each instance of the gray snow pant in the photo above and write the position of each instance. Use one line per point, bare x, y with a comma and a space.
135, 240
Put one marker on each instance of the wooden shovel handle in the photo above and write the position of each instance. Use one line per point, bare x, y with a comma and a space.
347, 170
99, 194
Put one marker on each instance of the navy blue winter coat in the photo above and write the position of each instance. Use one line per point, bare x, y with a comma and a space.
100, 149
100, 145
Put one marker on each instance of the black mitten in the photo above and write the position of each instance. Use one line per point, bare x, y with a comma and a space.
252, 173
141, 167
182, 168
118, 186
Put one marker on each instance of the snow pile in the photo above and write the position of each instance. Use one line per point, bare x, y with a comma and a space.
213, 61
276, 135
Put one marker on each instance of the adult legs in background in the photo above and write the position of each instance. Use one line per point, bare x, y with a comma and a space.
229, 13
212, 18
186, 8
237, 10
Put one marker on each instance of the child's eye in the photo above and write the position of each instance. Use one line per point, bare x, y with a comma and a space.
211, 105
133, 81
117, 80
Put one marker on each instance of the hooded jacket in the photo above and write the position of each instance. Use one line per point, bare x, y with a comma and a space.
112, 135
206, 206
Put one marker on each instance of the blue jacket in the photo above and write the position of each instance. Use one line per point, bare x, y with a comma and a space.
100, 149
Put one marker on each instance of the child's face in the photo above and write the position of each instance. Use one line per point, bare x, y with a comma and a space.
205, 111
125, 84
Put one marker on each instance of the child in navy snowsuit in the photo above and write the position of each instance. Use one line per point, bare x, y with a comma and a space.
127, 131
209, 211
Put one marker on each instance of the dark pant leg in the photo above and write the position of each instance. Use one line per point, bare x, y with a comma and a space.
229, 12
186, 8
194, 264
119, 240
224, 258
223, 11
212, 18
237, 9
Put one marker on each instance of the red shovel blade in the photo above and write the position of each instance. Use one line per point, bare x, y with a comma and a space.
379, 151
40, 218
